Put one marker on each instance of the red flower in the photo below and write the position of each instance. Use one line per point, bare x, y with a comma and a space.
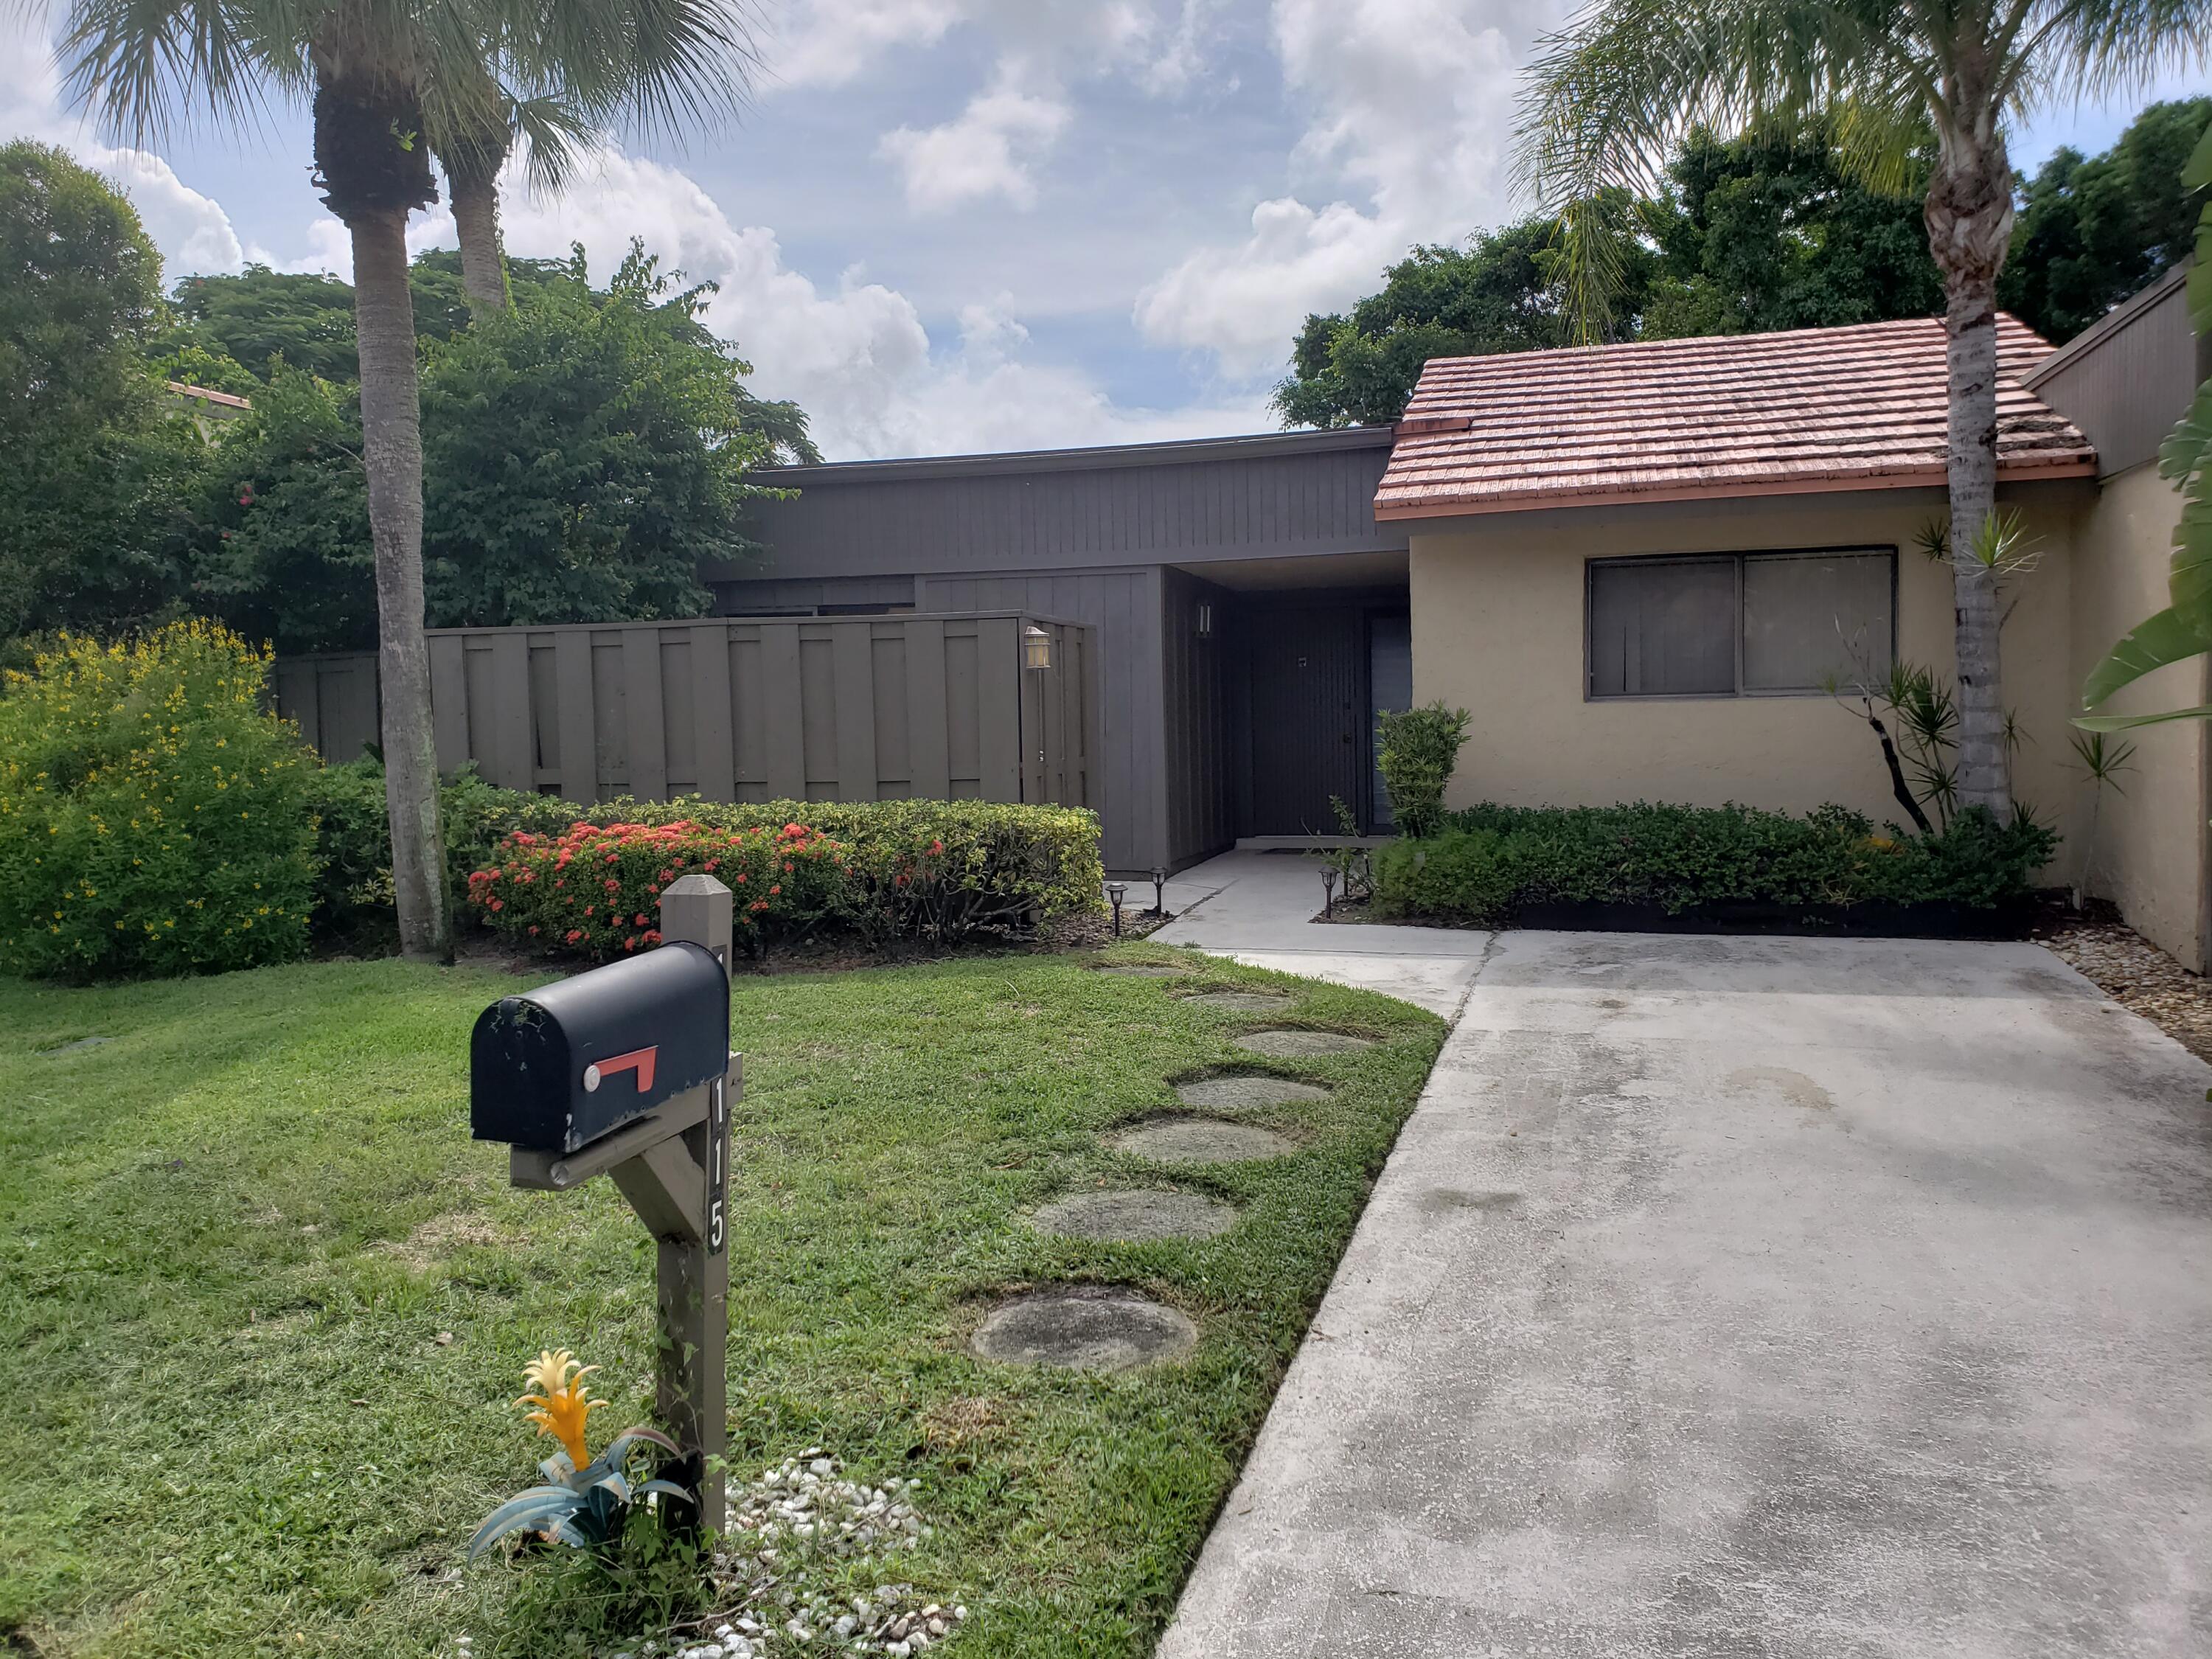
777, 888
534, 930
630, 943
611, 883
638, 921
497, 904
711, 863
741, 877
757, 905
936, 847
651, 936
574, 933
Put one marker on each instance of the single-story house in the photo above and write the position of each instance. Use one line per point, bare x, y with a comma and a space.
1640, 567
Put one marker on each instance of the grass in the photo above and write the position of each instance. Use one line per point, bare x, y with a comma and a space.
264, 1304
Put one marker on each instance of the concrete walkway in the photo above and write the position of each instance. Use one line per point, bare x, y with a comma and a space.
1258, 907
1751, 1298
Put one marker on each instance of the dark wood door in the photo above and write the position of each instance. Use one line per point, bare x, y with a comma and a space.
1308, 694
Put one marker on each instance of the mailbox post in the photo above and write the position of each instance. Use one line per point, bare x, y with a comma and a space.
626, 1071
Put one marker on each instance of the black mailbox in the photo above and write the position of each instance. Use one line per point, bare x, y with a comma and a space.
557, 1069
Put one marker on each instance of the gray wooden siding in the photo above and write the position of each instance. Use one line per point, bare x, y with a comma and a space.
1122, 608
934, 706
1310, 492
2126, 381
1201, 755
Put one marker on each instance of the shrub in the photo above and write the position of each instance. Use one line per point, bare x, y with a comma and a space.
1416, 750
1491, 861
356, 836
155, 818
938, 870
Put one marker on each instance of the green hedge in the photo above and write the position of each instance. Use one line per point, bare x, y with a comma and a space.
1491, 862
155, 818
883, 870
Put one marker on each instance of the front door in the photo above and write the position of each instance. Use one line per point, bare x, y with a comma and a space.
1309, 696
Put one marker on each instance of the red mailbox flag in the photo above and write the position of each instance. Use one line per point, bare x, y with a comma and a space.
637, 1060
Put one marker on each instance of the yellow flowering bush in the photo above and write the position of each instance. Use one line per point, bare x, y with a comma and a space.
155, 818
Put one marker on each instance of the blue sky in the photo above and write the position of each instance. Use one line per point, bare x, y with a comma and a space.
947, 225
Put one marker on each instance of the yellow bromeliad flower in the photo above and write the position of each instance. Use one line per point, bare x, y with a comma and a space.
561, 1401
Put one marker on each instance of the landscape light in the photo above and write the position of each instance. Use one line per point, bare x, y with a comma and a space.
1116, 892
1159, 891
1329, 890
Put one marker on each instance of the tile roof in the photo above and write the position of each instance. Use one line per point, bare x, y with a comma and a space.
1813, 409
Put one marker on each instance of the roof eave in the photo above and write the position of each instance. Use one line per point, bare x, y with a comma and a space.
1918, 479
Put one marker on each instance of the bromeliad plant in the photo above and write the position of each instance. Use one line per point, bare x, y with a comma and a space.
584, 1502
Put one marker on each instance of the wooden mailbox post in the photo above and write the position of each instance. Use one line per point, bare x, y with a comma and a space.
667, 1140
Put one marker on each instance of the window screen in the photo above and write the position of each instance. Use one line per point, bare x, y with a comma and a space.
1738, 623
1811, 617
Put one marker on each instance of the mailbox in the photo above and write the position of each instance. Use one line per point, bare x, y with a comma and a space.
565, 1065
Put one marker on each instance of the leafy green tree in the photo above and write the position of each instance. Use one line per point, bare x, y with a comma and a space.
582, 455
2094, 230
1612, 95
91, 461
381, 76
1771, 232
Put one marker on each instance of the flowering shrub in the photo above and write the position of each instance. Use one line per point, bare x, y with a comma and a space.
595, 888
155, 818
885, 870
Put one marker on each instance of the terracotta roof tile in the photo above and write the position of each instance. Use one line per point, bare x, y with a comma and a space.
1814, 409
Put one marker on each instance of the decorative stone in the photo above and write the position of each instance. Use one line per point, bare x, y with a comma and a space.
1134, 1217
1301, 1045
1091, 1328
1244, 1093
73, 1048
1142, 970
1243, 1002
1199, 1140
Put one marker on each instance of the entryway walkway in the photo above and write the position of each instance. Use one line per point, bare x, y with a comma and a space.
1789, 1299
1258, 907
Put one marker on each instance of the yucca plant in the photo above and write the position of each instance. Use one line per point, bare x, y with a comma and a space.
584, 1502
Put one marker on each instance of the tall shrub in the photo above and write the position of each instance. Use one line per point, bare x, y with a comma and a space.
1417, 750
155, 818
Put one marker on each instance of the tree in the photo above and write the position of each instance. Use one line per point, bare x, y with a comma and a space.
2092, 231
382, 74
92, 462
582, 455
1610, 95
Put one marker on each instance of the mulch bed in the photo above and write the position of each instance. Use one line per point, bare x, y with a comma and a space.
2136, 974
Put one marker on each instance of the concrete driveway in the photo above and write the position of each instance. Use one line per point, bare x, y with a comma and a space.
1755, 1297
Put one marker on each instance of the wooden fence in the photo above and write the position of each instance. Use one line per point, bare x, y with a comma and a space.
742, 708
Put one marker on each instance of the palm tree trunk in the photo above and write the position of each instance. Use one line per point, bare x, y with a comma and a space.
1969, 217
391, 453
473, 190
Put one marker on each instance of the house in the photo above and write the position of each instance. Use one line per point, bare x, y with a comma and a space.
1645, 568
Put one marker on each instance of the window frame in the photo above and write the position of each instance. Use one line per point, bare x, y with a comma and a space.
1735, 558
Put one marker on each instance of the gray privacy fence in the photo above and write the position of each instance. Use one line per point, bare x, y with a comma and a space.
743, 709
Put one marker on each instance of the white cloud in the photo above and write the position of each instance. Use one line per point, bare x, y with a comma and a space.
988, 151
1410, 106
829, 43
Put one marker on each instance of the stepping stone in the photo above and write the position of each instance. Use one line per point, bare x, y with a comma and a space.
1300, 1045
1243, 1002
72, 1047
1231, 1093
1143, 970
1090, 1328
1199, 1140
1134, 1217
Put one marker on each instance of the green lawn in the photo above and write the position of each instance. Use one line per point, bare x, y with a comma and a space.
231, 1236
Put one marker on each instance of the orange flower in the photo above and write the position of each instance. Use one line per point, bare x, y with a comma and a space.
563, 1402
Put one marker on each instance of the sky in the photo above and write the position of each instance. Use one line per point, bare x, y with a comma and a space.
951, 226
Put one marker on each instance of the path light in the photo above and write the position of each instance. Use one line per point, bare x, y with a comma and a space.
1159, 891
1327, 889
1117, 892
1036, 648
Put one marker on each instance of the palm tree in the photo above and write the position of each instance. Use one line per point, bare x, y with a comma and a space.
1609, 96
380, 74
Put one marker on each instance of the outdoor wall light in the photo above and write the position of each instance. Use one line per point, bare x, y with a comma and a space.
1329, 890
1159, 892
1116, 892
1205, 620
1036, 648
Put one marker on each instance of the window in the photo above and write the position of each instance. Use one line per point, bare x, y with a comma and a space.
1738, 624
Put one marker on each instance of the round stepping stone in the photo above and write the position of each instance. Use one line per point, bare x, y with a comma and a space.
1090, 1328
1243, 1002
1199, 1140
1132, 1216
1300, 1045
1231, 1093
1143, 970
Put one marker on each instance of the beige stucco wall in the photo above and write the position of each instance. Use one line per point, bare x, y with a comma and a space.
2149, 841
1497, 617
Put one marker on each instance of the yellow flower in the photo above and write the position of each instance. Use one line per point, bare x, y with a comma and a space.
563, 1402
